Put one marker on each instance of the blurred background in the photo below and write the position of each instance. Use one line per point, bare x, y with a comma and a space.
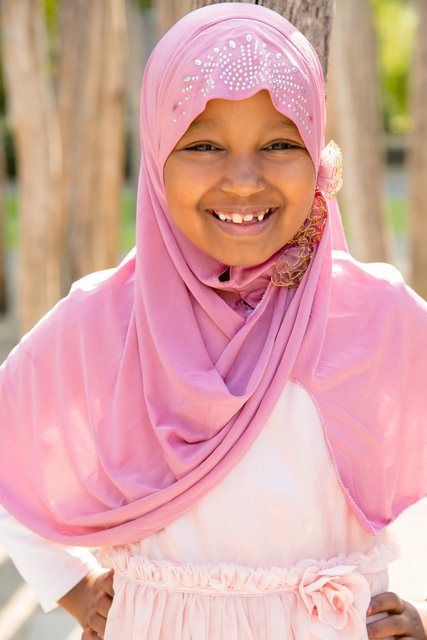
69, 155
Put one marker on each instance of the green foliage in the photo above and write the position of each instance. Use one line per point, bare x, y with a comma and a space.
144, 4
395, 22
127, 226
11, 216
51, 12
397, 215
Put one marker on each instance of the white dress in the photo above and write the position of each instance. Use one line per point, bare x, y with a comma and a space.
274, 552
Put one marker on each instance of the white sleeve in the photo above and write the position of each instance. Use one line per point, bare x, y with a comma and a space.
51, 569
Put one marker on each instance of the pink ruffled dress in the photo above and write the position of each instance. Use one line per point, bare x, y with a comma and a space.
272, 553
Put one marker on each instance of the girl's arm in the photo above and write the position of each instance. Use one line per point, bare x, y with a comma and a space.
51, 569
90, 601
68, 576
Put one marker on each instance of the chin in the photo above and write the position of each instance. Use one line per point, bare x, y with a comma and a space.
246, 261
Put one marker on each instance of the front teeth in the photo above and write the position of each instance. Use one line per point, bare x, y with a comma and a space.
238, 219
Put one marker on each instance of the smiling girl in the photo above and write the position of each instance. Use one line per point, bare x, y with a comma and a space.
255, 181
236, 412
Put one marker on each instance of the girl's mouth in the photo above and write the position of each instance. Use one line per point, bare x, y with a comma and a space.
242, 218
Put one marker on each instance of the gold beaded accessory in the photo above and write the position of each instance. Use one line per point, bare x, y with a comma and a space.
329, 175
297, 254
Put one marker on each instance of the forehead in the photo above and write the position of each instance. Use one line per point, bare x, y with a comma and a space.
258, 112
233, 59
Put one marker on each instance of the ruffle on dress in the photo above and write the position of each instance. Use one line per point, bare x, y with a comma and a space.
313, 600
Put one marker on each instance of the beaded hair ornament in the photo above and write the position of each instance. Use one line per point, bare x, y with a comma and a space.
298, 251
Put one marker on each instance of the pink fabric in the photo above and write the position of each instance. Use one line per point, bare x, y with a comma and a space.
316, 600
143, 388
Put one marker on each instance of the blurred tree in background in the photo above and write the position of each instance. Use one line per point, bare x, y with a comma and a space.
395, 23
418, 156
64, 73
35, 125
354, 121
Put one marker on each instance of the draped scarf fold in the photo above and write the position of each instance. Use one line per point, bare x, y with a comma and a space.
142, 388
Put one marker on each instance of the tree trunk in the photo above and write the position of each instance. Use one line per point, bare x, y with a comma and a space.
136, 58
142, 29
353, 104
418, 159
312, 17
3, 270
39, 153
170, 11
111, 136
67, 88
91, 103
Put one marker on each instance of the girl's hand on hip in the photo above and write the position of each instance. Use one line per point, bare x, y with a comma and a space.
90, 601
403, 620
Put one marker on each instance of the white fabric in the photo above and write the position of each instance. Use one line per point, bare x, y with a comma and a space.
273, 552
49, 568
280, 505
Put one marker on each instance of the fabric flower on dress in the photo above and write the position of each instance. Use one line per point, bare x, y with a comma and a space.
337, 600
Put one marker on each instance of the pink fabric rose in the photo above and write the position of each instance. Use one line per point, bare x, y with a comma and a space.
337, 600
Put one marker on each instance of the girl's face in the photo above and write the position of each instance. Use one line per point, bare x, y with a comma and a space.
240, 182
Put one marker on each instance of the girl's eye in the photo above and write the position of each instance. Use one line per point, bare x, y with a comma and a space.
202, 146
281, 145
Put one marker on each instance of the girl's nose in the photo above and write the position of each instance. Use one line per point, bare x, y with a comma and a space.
242, 177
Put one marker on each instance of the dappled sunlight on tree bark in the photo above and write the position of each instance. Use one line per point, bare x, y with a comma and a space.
39, 153
418, 159
69, 140
355, 121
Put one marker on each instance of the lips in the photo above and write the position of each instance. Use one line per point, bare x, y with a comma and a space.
242, 218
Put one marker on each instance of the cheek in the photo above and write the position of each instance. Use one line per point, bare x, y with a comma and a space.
181, 197
304, 184
169, 179
181, 181
175, 188
297, 183
185, 189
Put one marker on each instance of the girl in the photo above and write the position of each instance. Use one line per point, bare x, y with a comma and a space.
236, 412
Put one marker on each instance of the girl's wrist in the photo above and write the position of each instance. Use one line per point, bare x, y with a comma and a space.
421, 607
77, 601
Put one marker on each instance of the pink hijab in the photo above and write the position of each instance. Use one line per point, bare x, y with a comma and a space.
140, 391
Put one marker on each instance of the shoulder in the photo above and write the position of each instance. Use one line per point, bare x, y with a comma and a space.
373, 316
370, 385
372, 288
97, 309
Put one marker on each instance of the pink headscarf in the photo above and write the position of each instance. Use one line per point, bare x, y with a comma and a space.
139, 391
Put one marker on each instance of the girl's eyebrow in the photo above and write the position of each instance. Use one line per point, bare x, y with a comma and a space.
196, 124
216, 124
283, 124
